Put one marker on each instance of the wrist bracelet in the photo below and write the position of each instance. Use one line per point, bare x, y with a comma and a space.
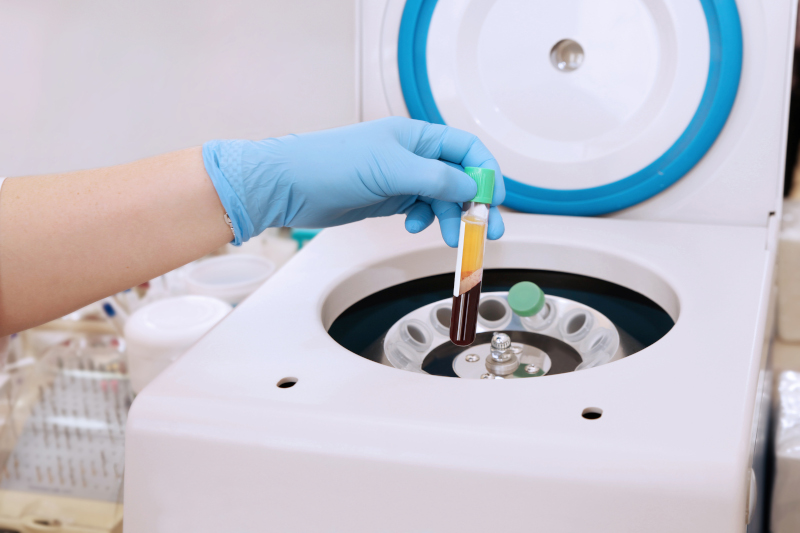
230, 225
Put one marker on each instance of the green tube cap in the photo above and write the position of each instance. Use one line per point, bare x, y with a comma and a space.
526, 298
484, 177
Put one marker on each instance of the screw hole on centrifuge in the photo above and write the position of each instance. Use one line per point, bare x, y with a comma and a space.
592, 413
286, 383
566, 55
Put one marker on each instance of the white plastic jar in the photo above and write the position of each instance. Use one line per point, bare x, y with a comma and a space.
231, 278
160, 332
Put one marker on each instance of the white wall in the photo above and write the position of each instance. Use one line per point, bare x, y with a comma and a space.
86, 83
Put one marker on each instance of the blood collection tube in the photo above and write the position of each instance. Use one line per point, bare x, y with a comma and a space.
469, 267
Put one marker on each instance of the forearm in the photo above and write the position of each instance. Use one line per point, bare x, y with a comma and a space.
68, 240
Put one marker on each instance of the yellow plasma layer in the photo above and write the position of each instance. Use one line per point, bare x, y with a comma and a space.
472, 256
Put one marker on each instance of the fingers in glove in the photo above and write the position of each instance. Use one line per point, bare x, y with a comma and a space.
462, 148
419, 217
449, 215
431, 178
421, 214
496, 226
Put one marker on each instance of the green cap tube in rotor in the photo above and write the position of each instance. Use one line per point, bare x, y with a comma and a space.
484, 178
526, 298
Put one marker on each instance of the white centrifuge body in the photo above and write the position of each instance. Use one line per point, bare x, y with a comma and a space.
670, 117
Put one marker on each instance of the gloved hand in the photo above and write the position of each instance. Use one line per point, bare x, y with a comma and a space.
332, 177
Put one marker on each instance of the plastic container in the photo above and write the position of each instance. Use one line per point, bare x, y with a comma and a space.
160, 332
231, 278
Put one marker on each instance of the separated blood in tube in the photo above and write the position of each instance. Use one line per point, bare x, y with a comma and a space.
469, 267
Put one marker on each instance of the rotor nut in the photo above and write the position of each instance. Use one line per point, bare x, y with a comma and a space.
501, 341
506, 367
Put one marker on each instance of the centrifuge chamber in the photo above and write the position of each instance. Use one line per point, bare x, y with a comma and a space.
215, 443
668, 119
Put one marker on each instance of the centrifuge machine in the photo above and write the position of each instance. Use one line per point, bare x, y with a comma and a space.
642, 143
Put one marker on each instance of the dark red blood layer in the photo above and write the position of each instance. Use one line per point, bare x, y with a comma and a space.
464, 317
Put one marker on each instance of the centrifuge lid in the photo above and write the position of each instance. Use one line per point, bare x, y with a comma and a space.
609, 128
649, 90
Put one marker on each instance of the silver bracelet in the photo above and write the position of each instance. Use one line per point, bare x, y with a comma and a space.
230, 225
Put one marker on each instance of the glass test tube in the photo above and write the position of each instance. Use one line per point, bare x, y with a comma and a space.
469, 267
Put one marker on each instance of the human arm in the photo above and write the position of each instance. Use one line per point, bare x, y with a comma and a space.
70, 239
67, 240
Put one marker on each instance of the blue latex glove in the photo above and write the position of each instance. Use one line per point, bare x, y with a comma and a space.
332, 177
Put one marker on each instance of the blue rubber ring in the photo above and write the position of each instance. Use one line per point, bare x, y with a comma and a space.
724, 71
